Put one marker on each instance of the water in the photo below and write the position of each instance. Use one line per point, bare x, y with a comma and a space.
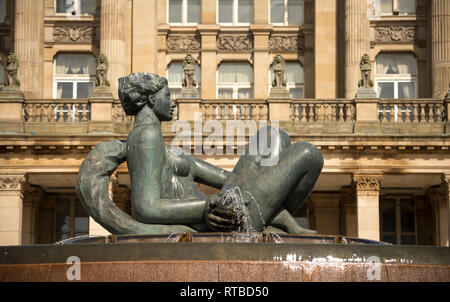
173, 238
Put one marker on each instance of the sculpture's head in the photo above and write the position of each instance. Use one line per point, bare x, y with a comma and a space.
101, 59
144, 89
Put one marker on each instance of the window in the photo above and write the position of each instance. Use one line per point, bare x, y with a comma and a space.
235, 12
175, 77
396, 76
234, 81
398, 221
395, 7
70, 219
295, 79
184, 12
76, 7
286, 12
74, 76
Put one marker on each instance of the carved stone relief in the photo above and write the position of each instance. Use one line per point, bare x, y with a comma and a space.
183, 43
367, 184
286, 43
396, 33
68, 33
234, 43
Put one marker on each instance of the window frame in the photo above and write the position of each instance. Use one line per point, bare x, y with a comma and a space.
235, 15
184, 14
77, 8
285, 14
398, 233
73, 202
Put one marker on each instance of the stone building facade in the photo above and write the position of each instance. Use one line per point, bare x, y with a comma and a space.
387, 163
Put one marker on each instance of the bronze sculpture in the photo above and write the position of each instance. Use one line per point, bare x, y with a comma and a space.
165, 198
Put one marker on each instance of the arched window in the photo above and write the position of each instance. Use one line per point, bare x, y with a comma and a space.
175, 77
76, 7
295, 79
396, 76
395, 7
235, 80
74, 76
287, 12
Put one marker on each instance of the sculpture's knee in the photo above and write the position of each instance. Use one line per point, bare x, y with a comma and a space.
309, 153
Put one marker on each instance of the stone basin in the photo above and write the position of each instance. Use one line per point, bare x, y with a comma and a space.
226, 257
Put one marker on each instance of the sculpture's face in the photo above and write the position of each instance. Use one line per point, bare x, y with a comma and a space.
164, 107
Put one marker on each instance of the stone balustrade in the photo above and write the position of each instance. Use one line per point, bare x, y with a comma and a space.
375, 116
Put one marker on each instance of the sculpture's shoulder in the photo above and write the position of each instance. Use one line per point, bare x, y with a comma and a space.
145, 137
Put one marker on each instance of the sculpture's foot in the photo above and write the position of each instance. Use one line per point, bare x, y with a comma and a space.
300, 230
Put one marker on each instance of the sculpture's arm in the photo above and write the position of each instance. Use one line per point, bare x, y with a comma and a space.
208, 174
146, 155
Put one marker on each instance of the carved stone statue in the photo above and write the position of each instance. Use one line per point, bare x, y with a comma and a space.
102, 71
12, 65
189, 71
165, 198
366, 69
278, 66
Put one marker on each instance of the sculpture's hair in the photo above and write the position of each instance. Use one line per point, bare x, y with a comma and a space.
137, 88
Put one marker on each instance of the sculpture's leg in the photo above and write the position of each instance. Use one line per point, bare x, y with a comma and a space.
298, 168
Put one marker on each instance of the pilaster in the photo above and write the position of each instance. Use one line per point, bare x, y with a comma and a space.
440, 47
357, 42
208, 34
32, 199
112, 39
367, 191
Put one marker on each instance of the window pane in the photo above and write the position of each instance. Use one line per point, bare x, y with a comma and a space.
175, 10
389, 238
388, 222
294, 73
396, 64
2, 11
245, 10
64, 6
407, 6
386, 90
407, 217
225, 93
408, 240
406, 90
88, 6
75, 64
225, 11
65, 90
235, 72
175, 73
245, 93
277, 11
2, 74
384, 6
84, 90
62, 219
295, 11
296, 93
194, 11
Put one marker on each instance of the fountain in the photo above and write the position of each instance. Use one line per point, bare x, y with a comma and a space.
245, 233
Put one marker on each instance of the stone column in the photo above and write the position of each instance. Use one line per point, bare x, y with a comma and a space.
11, 208
325, 39
444, 211
440, 47
357, 42
208, 34
29, 46
112, 39
367, 190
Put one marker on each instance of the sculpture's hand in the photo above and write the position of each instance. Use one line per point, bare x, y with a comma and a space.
219, 218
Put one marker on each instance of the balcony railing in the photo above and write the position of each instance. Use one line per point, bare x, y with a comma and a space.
305, 116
